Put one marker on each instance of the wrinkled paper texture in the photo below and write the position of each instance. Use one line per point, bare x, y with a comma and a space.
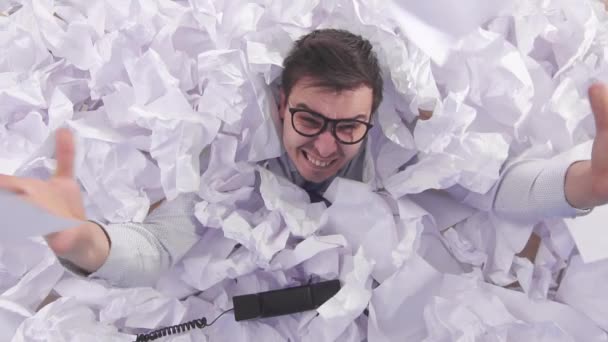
175, 97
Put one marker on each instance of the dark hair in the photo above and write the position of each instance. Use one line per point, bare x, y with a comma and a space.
335, 59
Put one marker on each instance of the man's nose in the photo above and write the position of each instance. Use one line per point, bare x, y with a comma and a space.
326, 144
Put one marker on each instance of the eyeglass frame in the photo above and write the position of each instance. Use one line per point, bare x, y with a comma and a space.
326, 122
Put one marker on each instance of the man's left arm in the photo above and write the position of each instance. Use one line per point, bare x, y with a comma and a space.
586, 183
565, 185
531, 190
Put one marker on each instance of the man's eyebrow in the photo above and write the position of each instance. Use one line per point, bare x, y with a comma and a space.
302, 105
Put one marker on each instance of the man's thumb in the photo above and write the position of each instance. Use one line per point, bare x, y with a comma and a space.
598, 97
64, 152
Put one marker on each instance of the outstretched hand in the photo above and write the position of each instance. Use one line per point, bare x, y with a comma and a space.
60, 195
586, 182
598, 96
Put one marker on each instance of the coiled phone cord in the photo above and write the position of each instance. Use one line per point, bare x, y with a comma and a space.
177, 329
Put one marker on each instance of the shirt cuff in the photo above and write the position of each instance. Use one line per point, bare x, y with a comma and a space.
73, 268
125, 250
551, 187
118, 268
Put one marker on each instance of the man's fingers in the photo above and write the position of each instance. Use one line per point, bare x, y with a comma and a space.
64, 152
598, 97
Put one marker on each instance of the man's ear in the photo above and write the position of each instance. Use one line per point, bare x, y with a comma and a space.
282, 103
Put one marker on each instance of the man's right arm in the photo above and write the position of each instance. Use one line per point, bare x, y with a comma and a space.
125, 254
137, 253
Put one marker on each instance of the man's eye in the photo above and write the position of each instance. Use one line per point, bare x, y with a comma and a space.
309, 121
348, 127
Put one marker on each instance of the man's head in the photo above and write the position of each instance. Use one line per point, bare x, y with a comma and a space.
329, 75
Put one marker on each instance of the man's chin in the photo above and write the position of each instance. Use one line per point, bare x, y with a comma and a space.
315, 177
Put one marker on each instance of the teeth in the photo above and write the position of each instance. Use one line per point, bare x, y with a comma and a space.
317, 162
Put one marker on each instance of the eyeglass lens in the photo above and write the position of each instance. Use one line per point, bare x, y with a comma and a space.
347, 131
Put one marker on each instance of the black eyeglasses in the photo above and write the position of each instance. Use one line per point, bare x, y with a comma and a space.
311, 124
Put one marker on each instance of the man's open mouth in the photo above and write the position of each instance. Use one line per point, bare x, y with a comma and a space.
318, 163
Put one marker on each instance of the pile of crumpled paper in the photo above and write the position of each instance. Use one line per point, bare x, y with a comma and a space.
170, 97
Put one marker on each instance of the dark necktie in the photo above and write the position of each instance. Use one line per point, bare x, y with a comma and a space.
314, 194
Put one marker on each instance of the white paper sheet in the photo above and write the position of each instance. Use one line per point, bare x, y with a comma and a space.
589, 234
68, 320
21, 219
170, 97
419, 21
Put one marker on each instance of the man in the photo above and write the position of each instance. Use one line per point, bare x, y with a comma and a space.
331, 87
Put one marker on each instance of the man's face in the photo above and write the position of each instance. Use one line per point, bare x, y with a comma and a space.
319, 158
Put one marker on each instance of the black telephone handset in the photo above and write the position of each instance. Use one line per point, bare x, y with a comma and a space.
263, 304
284, 301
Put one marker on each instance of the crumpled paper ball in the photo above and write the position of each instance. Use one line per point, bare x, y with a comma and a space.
173, 97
